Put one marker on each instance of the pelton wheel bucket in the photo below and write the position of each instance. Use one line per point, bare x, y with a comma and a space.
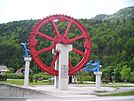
59, 29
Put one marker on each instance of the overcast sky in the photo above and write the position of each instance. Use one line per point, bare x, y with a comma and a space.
14, 10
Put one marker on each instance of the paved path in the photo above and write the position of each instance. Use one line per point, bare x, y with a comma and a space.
88, 99
128, 98
79, 90
73, 90
74, 93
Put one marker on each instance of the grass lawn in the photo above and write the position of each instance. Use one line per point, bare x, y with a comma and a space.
116, 85
128, 93
21, 82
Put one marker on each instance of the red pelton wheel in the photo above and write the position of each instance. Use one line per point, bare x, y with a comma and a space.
62, 37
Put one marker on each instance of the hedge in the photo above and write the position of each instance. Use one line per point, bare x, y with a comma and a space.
14, 76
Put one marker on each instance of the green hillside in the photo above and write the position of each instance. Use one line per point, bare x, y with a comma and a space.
112, 41
126, 13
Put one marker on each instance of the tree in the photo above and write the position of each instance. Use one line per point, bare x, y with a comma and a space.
125, 73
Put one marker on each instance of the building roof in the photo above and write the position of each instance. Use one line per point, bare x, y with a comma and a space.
3, 68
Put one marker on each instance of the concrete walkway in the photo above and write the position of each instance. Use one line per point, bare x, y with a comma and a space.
128, 98
83, 90
73, 90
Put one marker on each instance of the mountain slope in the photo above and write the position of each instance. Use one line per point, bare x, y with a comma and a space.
100, 17
126, 13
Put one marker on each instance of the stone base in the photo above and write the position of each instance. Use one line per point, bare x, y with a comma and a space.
98, 79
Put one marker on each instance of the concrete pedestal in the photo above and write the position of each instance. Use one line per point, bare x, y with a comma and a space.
61, 81
26, 77
98, 79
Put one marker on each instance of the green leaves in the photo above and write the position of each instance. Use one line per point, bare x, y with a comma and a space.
125, 73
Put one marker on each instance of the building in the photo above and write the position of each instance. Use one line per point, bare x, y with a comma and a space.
3, 69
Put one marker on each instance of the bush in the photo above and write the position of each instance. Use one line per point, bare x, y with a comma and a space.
41, 76
106, 80
14, 76
3, 77
31, 78
131, 79
87, 78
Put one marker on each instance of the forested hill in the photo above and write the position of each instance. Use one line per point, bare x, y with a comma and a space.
112, 40
126, 13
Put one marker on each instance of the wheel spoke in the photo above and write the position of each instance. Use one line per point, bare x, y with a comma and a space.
54, 60
55, 27
70, 65
45, 49
76, 38
71, 68
45, 36
78, 51
67, 29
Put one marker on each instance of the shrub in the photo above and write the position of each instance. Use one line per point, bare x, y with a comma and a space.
41, 76
131, 79
31, 78
87, 78
14, 76
3, 77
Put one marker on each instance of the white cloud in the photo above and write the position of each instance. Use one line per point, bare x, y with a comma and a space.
11, 10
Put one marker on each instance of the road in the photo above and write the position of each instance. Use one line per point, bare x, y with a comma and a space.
124, 98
